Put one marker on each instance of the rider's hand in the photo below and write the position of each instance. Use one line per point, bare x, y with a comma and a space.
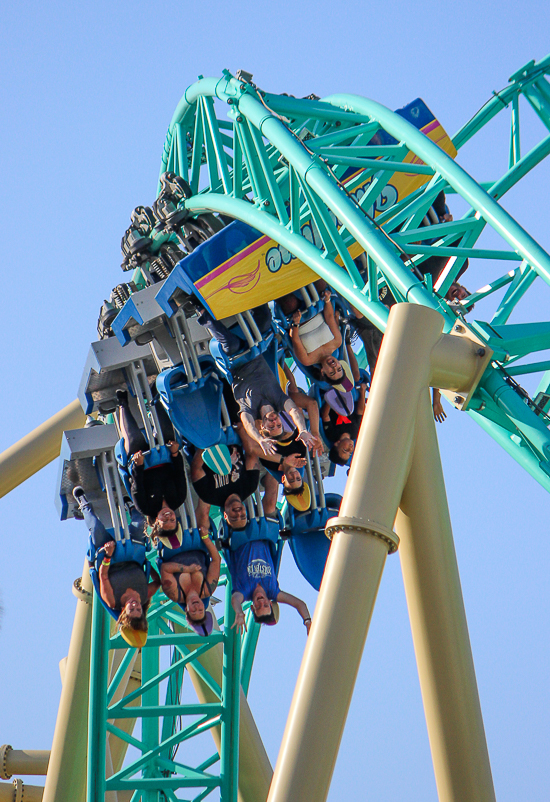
293, 461
239, 623
307, 438
174, 448
439, 412
269, 447
318, 448
109, 548
138, 458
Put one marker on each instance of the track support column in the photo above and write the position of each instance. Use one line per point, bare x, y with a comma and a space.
439, 628
362, 537
414, 355
66, 777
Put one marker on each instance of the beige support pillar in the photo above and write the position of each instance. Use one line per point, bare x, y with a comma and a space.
66, 778
18, 791
439, 628
255, 770
22, 761
362, 537
37, 449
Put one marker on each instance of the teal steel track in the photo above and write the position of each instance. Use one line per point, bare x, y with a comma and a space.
276, 163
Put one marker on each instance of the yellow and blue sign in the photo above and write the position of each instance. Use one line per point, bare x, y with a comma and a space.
252, 269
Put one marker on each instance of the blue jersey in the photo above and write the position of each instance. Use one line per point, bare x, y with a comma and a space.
252, 565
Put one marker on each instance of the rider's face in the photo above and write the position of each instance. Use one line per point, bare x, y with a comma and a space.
457, 292
332, 368
134, 608
235, 512
346, 446
195, 607
292, 479
260, 602
167, 518
272, 424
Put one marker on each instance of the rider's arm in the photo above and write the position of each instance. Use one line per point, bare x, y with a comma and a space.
154, 584
250, 426
197, 469
297, 417
298, 347
213, 574
298, 604
360, 406
169, 581
237, 604
332, 323
105, 587
268, 446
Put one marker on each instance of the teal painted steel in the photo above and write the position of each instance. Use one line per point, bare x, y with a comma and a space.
157, 770
97, 723
231, 686
293, 149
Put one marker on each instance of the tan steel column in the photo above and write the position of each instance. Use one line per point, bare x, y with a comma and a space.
37, 449
439, 628
22, 761
18, 791
356, 559
66, 778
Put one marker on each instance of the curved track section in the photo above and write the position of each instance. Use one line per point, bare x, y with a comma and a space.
330, 180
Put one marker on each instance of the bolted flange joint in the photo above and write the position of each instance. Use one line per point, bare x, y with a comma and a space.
4, 750
80, 593
358, 526
18, 791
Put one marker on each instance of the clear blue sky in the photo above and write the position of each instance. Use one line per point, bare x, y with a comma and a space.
86, 98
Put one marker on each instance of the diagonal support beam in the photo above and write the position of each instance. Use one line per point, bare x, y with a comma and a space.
414, 356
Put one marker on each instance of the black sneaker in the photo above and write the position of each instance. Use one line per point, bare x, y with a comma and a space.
129, 505
80, 496
122, 398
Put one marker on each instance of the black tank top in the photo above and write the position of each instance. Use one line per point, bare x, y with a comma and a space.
127, 576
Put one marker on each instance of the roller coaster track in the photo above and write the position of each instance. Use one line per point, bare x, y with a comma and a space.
320, 180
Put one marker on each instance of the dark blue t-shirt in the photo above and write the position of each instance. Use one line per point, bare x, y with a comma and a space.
252, 565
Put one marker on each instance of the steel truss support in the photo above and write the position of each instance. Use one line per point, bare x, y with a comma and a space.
384, 474
307, 174
151, 768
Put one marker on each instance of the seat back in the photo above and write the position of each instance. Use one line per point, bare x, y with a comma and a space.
255, 529
308, 543
191, 541
194, 407
125, 551
226, 364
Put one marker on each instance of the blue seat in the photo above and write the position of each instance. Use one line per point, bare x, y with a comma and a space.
125, 551
159, 455
194, 407
191, 541
226, 364
255, 529
308, 543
